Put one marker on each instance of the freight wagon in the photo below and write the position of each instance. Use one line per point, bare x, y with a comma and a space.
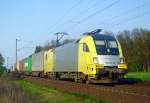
38, 64
28, 65
21, 66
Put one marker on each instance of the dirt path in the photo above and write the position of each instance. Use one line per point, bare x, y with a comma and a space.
137, 93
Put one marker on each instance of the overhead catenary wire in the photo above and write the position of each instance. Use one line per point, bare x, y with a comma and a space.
83, 12
99, 11
25, 41
128, 11
65, 14
87, 9
95, 13
125, 12
25, 47
133, 18
131, 10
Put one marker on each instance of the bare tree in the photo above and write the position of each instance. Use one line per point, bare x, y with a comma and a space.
136, 48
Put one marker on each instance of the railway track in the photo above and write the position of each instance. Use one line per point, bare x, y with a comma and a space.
135, 93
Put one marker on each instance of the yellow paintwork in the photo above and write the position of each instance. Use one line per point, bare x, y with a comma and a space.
122, 66
85, 59
120, 49
48, 61
99, 66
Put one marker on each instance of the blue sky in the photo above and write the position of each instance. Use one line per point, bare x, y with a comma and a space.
35, 21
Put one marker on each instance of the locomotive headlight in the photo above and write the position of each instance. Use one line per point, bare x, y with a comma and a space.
95, 60
121, 60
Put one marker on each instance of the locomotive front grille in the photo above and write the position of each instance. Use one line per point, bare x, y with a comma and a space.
106, 69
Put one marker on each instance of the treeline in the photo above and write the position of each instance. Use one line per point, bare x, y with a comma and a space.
136, 48
51, 45
2, 68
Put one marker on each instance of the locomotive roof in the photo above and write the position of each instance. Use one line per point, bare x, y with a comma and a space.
103, 37
95, 37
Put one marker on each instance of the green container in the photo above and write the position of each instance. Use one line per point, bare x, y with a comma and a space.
28, 64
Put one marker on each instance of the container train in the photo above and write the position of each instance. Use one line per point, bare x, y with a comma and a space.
95, 57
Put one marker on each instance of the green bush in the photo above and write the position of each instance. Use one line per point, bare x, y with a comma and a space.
139, 76
135, 65
2, 70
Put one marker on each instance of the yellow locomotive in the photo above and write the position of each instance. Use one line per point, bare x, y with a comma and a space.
92, 58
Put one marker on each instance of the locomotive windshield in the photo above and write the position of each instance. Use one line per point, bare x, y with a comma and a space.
106, 45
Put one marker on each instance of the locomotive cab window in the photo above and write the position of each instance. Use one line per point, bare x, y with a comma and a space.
112, 44
85, 47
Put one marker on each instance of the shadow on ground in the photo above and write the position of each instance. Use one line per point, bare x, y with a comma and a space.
123, 81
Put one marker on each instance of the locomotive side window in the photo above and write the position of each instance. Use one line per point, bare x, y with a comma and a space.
85, 47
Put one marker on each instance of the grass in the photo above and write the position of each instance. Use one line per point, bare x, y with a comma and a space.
139, 76
21, 91
51, 95
11, 93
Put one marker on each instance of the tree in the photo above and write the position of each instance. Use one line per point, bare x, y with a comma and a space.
2, 68
136, 48
1, 60
49, 45
52, 44
38, 49
66, 41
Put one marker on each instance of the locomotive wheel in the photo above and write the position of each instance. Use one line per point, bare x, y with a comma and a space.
78, 80
87, 81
